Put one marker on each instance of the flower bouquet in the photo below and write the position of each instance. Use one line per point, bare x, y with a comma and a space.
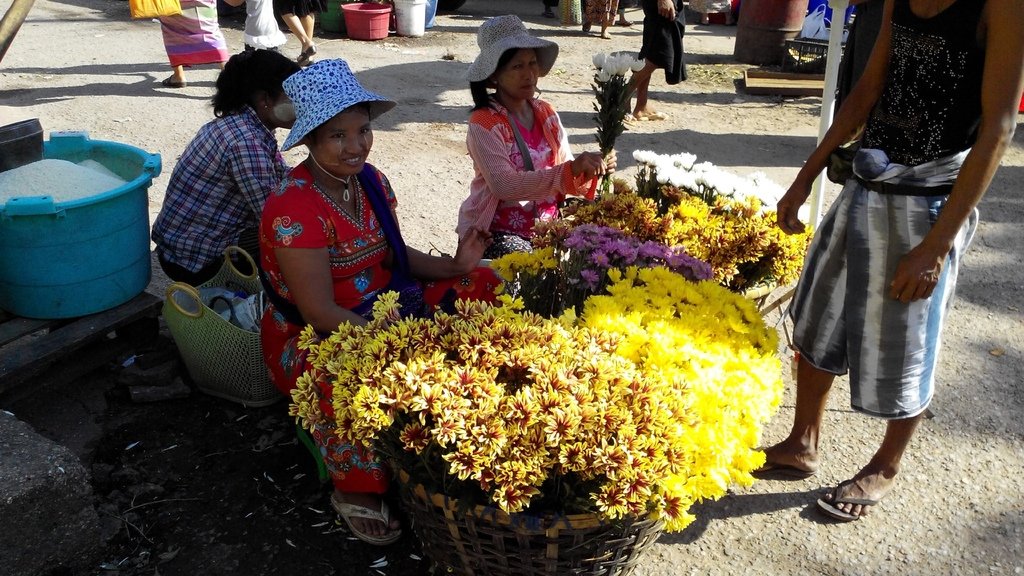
576, 267
613, 92
726, 220
578, 433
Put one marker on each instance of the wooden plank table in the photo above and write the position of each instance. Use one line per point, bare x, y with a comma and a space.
767, 82
28, 347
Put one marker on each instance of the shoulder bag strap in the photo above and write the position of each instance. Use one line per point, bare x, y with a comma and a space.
370, 182
527, 159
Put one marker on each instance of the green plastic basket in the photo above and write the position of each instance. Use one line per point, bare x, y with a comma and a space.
222, 359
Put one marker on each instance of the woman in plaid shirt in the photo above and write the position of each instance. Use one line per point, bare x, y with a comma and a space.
216, 192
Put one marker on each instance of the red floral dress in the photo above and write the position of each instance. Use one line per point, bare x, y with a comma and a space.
300, 215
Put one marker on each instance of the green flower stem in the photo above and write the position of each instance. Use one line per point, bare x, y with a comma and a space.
612, 105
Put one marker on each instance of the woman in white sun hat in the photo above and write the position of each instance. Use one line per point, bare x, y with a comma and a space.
329, 245
520, 151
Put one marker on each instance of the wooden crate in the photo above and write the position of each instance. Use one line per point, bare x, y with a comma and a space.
767, 82
30, 347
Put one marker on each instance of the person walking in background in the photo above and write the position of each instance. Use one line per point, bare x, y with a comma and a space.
707, 7
192, 38
300, 17
622, 21
215, 195
261, 29
938, 103
521, 158
600, 12
664, 25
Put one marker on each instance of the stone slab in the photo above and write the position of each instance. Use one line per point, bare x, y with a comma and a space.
46, 504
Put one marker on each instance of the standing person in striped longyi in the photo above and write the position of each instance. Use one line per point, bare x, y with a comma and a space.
938, 106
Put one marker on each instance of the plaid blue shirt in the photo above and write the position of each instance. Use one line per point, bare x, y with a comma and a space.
217, 189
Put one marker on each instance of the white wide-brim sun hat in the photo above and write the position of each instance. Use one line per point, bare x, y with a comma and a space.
322, 91
503, 33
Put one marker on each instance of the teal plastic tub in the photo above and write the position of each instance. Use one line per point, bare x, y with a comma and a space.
63, 259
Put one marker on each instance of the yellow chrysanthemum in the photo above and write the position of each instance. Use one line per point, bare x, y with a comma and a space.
649, 400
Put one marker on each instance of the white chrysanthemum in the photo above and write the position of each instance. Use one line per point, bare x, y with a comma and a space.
703, 167
682, 179
599, 60
611, 62
637, 65
704, 180
662, 164
726, 183
644, 156
622, 64
765, 189
604, 76
684, 160
687, 181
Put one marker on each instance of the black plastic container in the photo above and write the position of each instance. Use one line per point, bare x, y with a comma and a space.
20, 143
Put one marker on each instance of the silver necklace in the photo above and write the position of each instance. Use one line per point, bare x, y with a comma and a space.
346, 181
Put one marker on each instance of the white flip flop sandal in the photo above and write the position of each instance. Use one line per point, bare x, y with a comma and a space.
348, 511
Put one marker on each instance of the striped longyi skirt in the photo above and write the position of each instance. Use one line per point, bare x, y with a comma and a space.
845, 320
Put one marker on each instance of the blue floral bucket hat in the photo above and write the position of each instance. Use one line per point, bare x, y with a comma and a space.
322, 91
503, 33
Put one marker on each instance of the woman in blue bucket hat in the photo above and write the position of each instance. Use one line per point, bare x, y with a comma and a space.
329, 245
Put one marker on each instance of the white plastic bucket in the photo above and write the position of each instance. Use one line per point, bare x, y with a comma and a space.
410, 17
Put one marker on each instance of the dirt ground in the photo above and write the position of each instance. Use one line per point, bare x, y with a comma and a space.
204, 486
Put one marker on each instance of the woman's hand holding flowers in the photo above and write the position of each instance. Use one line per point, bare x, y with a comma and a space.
592, 164
610, 162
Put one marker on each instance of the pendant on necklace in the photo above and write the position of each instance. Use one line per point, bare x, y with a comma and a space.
347, 181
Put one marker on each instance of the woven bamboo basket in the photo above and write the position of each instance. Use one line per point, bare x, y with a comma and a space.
485, 541
761, 296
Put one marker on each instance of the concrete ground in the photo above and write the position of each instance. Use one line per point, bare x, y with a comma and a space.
957, 509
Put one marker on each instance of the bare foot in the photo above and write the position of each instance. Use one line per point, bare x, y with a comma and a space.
853, 498
792, 455
372, 502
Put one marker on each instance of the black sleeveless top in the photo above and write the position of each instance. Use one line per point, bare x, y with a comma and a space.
931, 104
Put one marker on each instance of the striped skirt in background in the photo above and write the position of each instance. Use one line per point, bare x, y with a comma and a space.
194, 36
